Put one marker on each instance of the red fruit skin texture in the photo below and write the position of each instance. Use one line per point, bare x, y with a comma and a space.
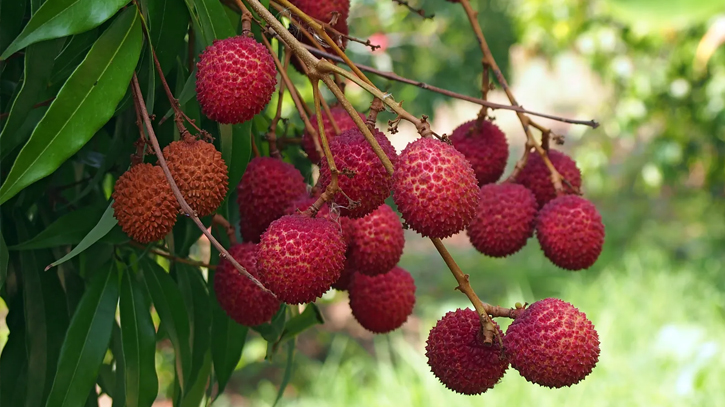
377, 242
322, 10
342, 119
345, 224
266, 190
459, 359
536, 177
235, 79
382, 303
238, 296
504, 220
435, 188
570, 232
299, 257
552, 344
143, 203
343, 283
484, 146
370, 184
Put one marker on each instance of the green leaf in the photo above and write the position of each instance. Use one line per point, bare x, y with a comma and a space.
236, 143
38, 67
287, 371
60, 18
13, 363
273, 329
186, 94
119, 381
86, 342
139, 344
76, 47
299, 323
171, 309
104, 225
84, 104
11, 20
213, 20
168, 22
68, 229
195, 393
195, 295
4, 260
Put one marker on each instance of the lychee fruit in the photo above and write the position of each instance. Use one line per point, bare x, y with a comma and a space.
238, 296
484, 146
266, 190
363, 179
377, 242
300, 257
199, 172
342, 119
570, 232
144, 204
235, 79
435, 188
343, 283
382, 303
552, 344
536, 176
458, 357
322, 10
504, 220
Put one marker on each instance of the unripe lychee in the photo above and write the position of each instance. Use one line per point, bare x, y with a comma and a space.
143, 203
458, 357
435, 188
382, 303
342, 119
536, 177
552, 344
484, 146
238, 296
377, 242
299, 257
570, 232
504, 220
199, 172
267, 189
364, 179
235, 79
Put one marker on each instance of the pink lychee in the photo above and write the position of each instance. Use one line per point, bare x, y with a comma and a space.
382, 303
484, 146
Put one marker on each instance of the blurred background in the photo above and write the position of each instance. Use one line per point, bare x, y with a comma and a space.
653, 74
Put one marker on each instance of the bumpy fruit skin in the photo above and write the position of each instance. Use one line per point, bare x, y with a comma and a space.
504, 220
322, 10
382, 303
143, 203
459, 359
484, 146
343, 283
552, 344
299, 257
536, 177
267, 189
235, 79
342, 119
377, 242
238, 296
370, 184
199, 172
570, 232
435, 188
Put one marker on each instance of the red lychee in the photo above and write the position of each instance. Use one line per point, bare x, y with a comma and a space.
238, 296
435, 188
377, 242
484, 146
364, 178
267, 189
570, 232
143, 203
323, 11
382, 303
199, 172
552, 344
235, 79
504, 220
346, 224
536, 177
299, 257
458, 357
343, 283
342, 119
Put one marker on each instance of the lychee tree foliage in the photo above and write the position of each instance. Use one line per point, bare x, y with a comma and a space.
134, 128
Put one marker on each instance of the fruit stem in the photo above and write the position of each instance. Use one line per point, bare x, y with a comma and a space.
272, 133
172, 257
418, 11
220, 220
246, 19
138, 97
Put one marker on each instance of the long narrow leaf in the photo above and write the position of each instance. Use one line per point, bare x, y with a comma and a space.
104, 225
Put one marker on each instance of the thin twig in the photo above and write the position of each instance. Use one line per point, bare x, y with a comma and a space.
172, 257
35, 106
418, 11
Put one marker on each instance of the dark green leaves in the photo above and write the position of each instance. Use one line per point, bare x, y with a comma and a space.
236, 143
86, 102
59, 18
310, 317
86, 342
139, 345
4, 257
213, 20
68, 229
104, 225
